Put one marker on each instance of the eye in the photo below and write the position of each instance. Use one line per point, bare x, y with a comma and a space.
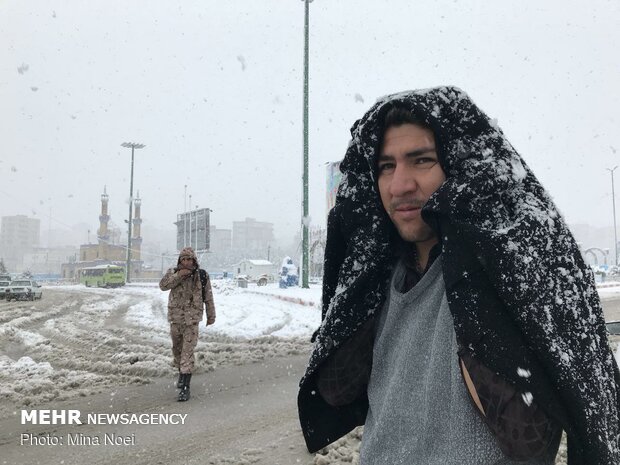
424, 163
385, 166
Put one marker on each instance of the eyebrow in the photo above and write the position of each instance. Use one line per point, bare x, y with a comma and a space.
414, 153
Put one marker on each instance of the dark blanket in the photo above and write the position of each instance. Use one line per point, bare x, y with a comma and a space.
493, 212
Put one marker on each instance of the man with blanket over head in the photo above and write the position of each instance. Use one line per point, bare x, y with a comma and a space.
460, 322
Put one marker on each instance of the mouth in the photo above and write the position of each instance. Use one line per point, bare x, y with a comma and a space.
406, 212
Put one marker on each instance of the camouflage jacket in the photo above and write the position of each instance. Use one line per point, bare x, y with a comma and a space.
185, 304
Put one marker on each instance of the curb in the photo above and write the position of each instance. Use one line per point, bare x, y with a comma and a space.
606, 285
295, 300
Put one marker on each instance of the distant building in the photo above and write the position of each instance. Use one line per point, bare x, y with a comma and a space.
193, 229
19, 235
318, 238
221, 239
104, 251
334, 176
252, 235
254, 268
49, 261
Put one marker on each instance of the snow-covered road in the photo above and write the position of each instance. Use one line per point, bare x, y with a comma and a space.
77, 341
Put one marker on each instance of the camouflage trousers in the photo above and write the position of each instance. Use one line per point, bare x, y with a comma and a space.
184, 340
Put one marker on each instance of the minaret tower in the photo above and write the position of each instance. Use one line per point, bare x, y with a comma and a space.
103, 234
136, 240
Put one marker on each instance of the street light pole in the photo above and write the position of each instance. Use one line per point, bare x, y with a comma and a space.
190, 220
132, 146
196, 235
185, 219
305, 219
613, 199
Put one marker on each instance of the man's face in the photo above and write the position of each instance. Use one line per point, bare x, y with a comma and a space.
187, 262
408, 174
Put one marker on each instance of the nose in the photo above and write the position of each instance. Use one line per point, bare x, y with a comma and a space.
403, 181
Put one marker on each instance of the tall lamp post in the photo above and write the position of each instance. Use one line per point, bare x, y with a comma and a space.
185, 219
132, 146
613, 200
190, 220
306, 219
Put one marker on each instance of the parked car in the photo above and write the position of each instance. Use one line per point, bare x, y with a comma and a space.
260, 280
23, 289
4, 285
264, 279
613, 328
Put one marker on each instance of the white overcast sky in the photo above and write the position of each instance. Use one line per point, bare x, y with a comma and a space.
214, 90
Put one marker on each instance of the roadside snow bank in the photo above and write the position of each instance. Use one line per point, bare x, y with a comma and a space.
77, 341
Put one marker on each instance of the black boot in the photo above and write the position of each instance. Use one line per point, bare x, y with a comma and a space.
184, 394
180, 380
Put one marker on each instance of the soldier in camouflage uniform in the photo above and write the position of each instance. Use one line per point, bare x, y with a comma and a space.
185, 307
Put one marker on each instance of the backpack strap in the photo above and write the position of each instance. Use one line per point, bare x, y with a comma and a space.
203, 281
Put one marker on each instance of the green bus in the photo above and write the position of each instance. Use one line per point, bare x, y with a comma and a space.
103, 276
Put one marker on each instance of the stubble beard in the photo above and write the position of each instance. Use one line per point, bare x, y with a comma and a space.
413, 234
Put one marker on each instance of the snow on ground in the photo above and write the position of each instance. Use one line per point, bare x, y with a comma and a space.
244, 313
346, 450
609, 290
310, 296
77, 341
267, 310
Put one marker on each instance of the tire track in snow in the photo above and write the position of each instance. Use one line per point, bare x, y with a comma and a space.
263, 315
78, 341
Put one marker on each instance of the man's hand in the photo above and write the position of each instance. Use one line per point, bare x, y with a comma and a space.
210, 321
184, 272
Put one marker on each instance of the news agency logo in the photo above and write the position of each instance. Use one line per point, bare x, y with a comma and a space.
51, 417
73, 417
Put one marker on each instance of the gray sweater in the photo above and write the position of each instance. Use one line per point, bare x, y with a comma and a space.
420, 411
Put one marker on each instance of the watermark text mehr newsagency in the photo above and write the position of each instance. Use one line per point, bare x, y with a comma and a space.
75, 417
